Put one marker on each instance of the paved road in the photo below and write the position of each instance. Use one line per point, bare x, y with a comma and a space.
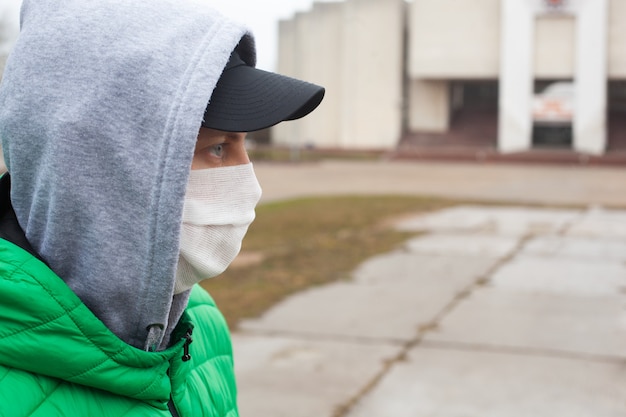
512, 183
486, 312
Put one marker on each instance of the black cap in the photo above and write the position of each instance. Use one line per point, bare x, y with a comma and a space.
248, 99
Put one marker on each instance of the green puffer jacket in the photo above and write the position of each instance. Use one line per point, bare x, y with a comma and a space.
58, 359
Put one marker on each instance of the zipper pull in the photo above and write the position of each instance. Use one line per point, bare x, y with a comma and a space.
186, 355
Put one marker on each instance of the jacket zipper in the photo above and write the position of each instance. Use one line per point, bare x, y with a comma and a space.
186, 357
172, 408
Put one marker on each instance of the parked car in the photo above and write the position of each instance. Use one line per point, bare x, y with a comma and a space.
554, 106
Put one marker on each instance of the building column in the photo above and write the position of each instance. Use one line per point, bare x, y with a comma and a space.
516, 76
589, 126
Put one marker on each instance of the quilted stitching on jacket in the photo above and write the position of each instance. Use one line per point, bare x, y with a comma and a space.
48, 331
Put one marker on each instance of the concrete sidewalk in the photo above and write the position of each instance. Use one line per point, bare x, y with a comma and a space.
497, 312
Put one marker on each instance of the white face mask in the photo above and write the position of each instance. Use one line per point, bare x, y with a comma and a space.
219, 207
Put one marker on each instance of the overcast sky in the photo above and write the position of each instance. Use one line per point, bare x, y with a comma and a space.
261, 16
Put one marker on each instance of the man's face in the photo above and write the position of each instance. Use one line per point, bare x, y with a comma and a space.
216, 148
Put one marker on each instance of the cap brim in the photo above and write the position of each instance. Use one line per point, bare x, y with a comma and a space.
248, 99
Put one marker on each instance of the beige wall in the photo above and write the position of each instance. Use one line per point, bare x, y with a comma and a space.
354, 49
460, 39
2, 64
617, 39
282, 133
324, 122
372, 73
454, 39
311, 54
314, 55
554, 47
320, 65
430, 106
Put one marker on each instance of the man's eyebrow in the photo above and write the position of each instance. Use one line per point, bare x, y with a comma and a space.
210, 139
236, 135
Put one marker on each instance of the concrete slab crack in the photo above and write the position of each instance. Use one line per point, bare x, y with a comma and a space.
424, 329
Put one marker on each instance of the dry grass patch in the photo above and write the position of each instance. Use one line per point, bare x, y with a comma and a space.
283, 154
307, 242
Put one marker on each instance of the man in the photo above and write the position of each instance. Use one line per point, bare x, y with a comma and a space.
124, 190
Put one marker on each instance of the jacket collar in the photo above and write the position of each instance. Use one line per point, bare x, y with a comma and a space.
9, 226
46, 329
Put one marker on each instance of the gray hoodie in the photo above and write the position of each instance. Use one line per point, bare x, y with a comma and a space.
100, 106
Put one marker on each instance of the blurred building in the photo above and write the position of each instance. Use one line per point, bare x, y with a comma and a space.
9, 28
471, 72
355, 49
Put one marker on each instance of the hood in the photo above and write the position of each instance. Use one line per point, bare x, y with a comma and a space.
100, 107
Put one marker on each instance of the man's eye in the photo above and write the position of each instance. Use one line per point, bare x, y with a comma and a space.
217, 150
